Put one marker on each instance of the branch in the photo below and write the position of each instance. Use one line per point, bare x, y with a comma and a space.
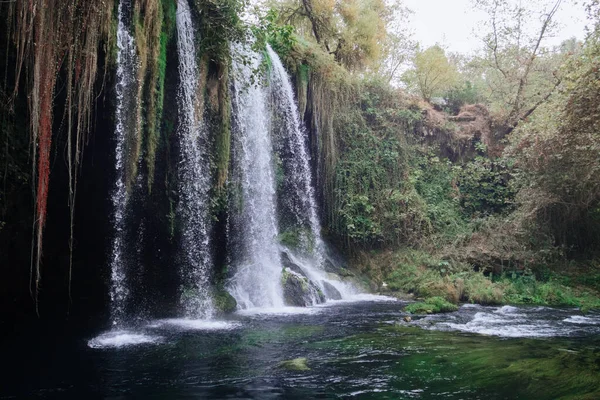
523, 78
494, 48
533, 108
313, 21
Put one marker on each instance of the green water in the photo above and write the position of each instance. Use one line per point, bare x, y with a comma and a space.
347, 350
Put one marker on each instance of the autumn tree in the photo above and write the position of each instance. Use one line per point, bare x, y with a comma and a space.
352, 31
432, 73
521, 72
398, 47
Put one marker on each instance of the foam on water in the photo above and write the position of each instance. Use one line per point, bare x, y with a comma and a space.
196, 324
280, 311
578, 319
122, 338
360, 297
512, 322
498, 327
507, 310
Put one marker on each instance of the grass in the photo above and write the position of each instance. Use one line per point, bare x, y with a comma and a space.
425, 276
432, 305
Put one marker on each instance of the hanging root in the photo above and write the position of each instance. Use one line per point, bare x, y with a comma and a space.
47, 32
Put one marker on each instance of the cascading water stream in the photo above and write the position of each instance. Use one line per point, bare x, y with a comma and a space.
126, 91
257, 282
194, 177
299, 198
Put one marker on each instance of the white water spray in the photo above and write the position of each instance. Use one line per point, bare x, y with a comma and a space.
292, 137
194, 177
257, 282
126, 126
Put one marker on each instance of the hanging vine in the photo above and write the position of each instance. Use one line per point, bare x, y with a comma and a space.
55, 40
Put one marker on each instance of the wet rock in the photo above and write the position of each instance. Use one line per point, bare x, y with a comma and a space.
330, 291
288, 263
224, 302
335, 262
299, 291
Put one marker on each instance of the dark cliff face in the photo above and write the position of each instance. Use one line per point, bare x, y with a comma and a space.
152, 231
91, 225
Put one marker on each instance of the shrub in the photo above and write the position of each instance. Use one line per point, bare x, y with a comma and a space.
432, 305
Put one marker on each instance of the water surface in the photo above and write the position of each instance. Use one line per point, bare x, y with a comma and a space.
353, 349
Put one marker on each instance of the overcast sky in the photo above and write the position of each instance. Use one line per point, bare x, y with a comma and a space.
452, 23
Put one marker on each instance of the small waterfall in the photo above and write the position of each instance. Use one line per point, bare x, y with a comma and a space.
126, 125
194, 176
299, 195
257, 282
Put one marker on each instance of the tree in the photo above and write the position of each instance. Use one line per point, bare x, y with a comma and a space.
353, 31
558, 153
397, 48
432, 74
521, 73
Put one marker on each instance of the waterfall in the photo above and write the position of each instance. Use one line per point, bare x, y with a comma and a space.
257, 281
297, 195
194, 177
298, 199
126, 125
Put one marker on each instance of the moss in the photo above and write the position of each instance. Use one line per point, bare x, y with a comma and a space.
223, 302
297, 364
294, 238
432, 305
167, 14
223, 138
303, 71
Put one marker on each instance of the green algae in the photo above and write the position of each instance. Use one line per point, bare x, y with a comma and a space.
448, 362
297, 364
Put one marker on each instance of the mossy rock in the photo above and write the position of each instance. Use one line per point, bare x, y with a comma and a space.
299, 291
432, 305
297, 364
224, 302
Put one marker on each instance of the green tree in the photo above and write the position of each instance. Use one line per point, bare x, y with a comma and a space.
432, 74
558, 153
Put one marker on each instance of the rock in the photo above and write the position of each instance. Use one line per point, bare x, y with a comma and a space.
298, 291
329, 266
407, 319
224, 302
330, 291
288, 263
297, 364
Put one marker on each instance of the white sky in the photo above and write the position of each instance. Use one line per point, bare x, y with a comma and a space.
452, 23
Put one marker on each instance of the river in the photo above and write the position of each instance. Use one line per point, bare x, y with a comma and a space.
360, 348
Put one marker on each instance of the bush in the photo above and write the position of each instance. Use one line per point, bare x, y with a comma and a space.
432, 305
528, 290
481, 290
